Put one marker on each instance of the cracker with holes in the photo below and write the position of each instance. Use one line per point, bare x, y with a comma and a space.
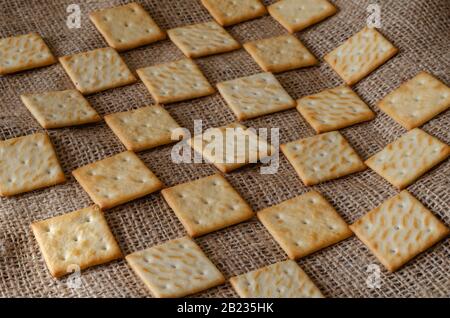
280, 54
360, 55
304, 224
126, 27
143, 128
416, 101
230, 147
175, 81
296, 15
97, 70
399, 229
58, 109
28, 163
323, 157
405, 160
207, 205
333, 109
24, 52
75, 241
203, 39
255, 95
117, 179
280, 280
228, 12
176, 268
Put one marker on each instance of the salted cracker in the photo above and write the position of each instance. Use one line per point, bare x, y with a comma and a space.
126, 27
322, 157
207, 204
203, 39
360, 55
97, 70
117, 179
228, 12
296, 15
399, 229
416, 101
304, 224
75, 241
58, 109
142, 128
280, 54
175, 81
406, 159
176, 268
255, 95
24, 52
240, 146
333, 109
28, 163
280, 280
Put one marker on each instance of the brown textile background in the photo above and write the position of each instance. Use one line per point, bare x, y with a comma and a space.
420, 29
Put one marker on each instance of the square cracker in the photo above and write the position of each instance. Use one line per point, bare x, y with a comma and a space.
255, 95
117, 179
126, 27
406, 159
81, 238
175, 81
281, 53
97, 70
24, 52
241, 147
203, 39
333, 109
60, 108
143, 128
28, 163
304, 224
416, 101
296, 15
228, 12
207, 204
280, 280
360, 55
322, 157
176, 268
399, 229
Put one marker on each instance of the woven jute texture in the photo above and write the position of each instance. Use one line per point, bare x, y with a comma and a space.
420, 29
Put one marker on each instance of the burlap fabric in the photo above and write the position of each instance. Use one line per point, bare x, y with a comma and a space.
420, 29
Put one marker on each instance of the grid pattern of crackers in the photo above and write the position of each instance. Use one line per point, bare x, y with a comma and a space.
446, 150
